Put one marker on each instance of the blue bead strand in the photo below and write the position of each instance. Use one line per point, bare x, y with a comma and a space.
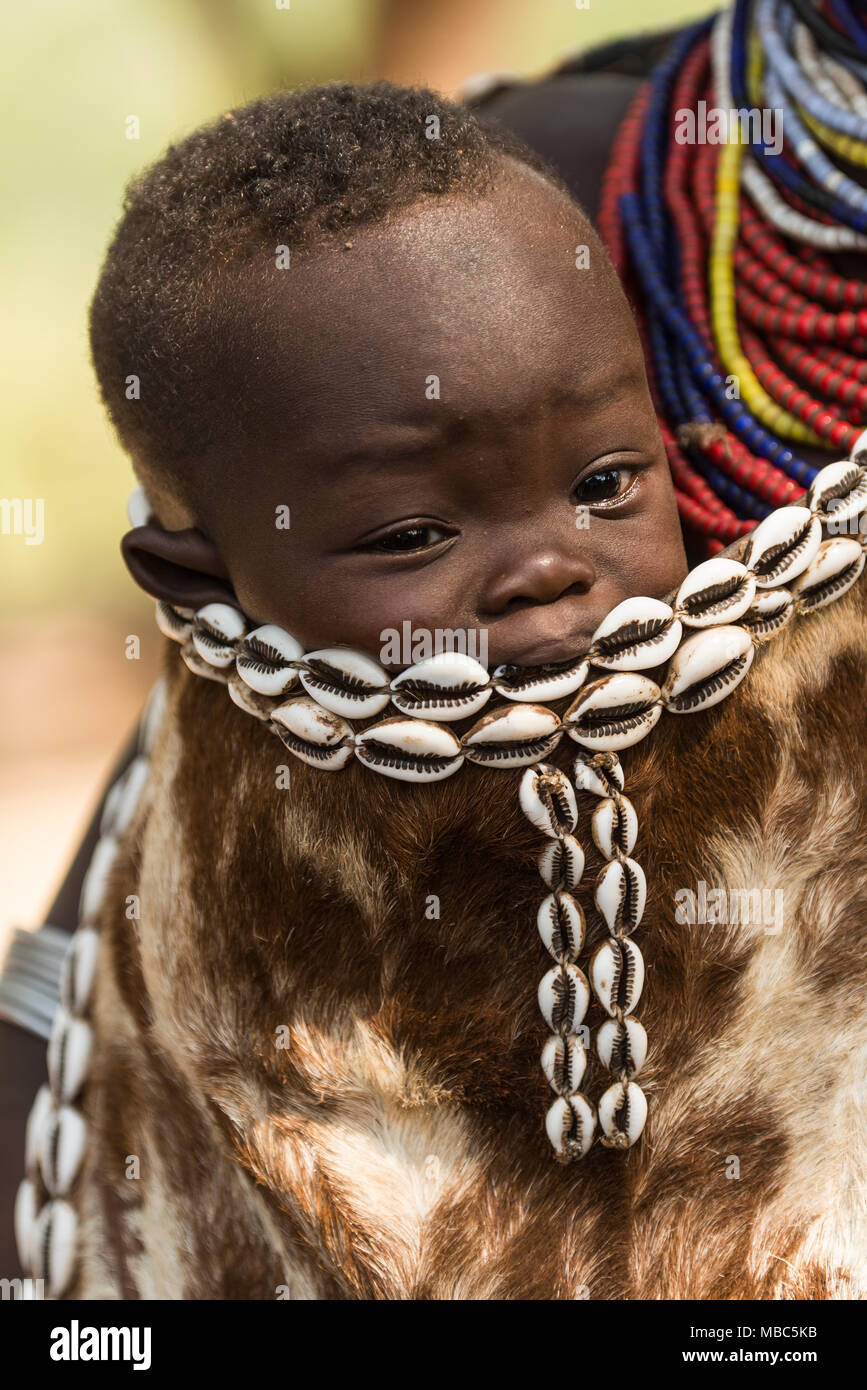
655, 134
791, 76
848, 19
777, 166
668, 383
814, 159
709, 380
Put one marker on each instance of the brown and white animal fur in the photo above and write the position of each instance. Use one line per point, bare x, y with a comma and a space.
395, 1149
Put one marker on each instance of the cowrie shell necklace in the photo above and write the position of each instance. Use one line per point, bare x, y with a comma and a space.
704, 641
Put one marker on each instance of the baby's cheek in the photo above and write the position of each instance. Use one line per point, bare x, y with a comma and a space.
646, 550
667, 564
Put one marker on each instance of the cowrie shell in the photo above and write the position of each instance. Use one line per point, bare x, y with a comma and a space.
561, 863
617, 974
564, 998
446, 686
768, 613
79, 970
124, 796
69, 1050
614, 826
345, 682
718, 591
176, 623
707, 668
513, 736
138, 508
860, 446
263, 661
25, 1222
837, 566
622, 1045
598, 773
55, 1239
638, 633
314, 734
249, 700
530, 683
621, 894
96, 878
547, 799
782, 545
40, 1111
216, 628
614, 712
61, 1152
411, 750
200, 666
570, 1124
564, 1061
623, 1113
109, 810
561, 926
838, 492
153, 716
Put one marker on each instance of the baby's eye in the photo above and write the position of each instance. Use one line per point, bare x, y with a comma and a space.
411, 538
604, 485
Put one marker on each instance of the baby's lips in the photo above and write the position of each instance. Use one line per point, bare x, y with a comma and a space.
538, 650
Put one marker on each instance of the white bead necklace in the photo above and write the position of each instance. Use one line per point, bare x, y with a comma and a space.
705, 641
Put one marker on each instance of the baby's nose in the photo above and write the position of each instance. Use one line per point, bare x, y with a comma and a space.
539, 575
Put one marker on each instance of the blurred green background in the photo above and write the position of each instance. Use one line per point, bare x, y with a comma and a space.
71, 76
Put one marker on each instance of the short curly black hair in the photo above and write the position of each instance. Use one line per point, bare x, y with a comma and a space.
288, 169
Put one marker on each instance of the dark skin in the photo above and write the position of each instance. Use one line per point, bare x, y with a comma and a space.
455, 512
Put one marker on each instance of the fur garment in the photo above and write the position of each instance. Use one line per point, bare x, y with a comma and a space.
307, 1084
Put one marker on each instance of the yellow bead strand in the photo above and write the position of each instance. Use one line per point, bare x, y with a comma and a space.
846, 146
722, 286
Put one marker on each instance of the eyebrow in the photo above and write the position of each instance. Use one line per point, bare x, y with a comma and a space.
409, 443
406, 446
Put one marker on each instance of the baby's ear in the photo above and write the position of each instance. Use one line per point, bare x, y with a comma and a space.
182, 568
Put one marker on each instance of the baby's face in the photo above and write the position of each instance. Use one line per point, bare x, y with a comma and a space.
457, 417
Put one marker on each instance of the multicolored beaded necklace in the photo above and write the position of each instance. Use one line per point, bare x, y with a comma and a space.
755, 343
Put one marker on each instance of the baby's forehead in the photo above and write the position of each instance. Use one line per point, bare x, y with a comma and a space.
523, 228
514, 285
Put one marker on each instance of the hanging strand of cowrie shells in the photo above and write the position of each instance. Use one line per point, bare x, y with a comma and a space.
547, 798
617, 966
46, 1221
